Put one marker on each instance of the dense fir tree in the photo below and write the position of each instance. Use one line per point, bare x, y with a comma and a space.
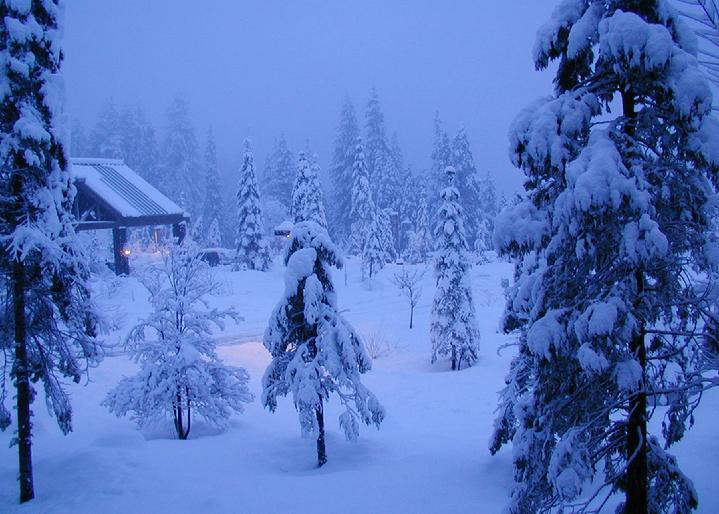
501, 203
363, 209
453, 327
179, 163
488, 210
212, 210
441, 158
389, 189
125, 135
386, 234
106, 137
467, 183
279, 174
341, 173
611, 239
252, 250
315, 352
78, 141
420, 239
307, 203
377, 151
374, 255
180, 373
139, 144
409, 198
48, 318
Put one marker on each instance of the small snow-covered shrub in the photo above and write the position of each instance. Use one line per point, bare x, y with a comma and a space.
180, 372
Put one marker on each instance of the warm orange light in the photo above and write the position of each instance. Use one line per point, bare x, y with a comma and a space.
126, 252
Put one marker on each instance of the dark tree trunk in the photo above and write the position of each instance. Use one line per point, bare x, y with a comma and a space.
629, 111
637, 479
22, 382
637, 475
411, 316
178, 417
189, 414
321, 451
454, 359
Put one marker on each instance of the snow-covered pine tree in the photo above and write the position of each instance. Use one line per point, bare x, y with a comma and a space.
389, 189
315, 352
179, 163
467, 183
441, 158
307, 204
213, 236
213, 206
378, 156
139, 145
374, 255
453, 327
488, 209
106, 136
316, 206
48, 318
279, 174
386, 235
341, 173
420, 240
251, 248
363, 209
78, 140
611, 239
180, 373
501, 204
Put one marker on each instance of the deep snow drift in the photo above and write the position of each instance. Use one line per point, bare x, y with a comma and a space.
430, 454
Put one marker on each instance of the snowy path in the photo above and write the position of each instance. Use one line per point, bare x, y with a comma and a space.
429, 456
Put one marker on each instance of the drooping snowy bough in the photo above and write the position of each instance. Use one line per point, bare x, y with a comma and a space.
453, 327
614, 244
47, 320
180, 372
315, 352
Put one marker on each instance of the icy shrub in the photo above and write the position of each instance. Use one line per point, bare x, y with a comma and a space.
180, 372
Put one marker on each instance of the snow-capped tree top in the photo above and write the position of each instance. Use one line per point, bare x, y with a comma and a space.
307, 202
308, 234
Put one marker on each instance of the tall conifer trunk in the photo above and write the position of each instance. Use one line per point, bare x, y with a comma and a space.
637, 475
321, 452
24, 392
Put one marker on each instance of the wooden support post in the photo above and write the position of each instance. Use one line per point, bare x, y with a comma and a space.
119, 243
179, 230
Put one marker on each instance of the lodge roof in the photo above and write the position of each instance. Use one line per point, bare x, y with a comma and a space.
125, 197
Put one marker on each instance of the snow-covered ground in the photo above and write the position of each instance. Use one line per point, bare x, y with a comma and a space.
430, 454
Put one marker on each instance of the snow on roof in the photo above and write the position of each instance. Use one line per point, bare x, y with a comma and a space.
285, 226
123, 189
